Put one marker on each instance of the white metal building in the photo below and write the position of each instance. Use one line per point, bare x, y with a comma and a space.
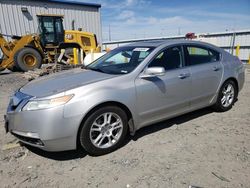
18, 17
227, 40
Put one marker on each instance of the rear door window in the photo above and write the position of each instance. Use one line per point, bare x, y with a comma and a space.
199, 55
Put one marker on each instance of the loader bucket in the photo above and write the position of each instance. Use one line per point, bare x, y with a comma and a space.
9, 49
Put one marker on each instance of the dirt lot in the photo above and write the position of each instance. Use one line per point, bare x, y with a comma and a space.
202, 149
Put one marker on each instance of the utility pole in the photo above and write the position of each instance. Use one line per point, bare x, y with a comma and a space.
109, 33
233, 43
179, 31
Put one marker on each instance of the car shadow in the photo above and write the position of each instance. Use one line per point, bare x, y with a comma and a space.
170, 122
58, 156
80, 153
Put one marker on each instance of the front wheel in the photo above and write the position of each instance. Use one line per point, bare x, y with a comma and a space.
27, 59
227, 96
104, 130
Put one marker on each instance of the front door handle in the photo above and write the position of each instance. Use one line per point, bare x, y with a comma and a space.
184, 75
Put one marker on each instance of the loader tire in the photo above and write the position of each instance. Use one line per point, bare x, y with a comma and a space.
14, 69
27, 59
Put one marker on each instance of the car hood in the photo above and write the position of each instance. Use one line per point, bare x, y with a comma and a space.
60, 82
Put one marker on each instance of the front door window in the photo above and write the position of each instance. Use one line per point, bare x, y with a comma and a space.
170, 58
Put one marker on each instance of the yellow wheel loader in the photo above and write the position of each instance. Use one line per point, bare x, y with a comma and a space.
51, 44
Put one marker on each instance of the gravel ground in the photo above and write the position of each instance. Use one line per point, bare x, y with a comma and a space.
202, 149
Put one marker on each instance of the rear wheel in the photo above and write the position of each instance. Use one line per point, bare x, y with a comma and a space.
227, 96
27, 59
104, 130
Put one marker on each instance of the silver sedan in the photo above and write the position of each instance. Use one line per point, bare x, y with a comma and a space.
126, 89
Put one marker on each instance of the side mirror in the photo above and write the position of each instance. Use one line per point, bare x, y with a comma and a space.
152, 72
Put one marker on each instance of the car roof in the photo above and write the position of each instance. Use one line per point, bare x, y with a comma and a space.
156, 43
149, 43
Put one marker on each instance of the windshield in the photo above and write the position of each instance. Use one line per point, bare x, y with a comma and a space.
121, 60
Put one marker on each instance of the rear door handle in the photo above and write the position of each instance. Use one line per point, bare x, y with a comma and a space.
184, 75
216, 68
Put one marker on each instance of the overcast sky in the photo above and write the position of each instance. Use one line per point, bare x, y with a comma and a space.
145, 18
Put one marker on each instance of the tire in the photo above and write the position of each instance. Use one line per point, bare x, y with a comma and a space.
226, 97
27, 59
98, 138
14, 69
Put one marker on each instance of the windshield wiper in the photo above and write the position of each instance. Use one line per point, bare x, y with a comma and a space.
95, 69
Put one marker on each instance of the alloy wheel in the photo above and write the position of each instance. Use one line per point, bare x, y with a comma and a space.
106, 130
227, 95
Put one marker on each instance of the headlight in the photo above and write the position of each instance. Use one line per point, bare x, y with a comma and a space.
47, 103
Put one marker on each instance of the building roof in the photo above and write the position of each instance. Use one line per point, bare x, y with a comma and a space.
225, 33
72, 2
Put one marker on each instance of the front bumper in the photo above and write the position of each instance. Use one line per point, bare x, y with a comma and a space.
46, 129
